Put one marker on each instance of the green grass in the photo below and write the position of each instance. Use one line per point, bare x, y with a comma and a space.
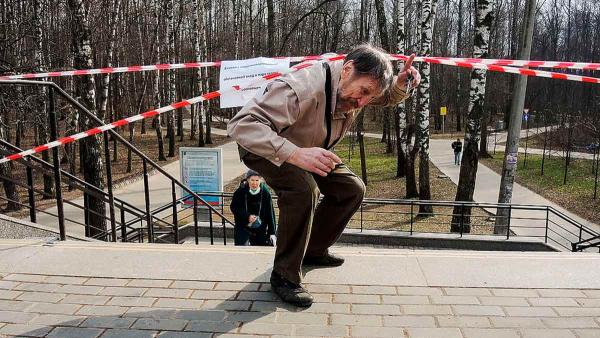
380, 166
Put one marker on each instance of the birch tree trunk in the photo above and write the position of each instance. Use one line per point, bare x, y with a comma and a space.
509, 167
412, 148
400, 112
103, 99
40, 103
199, 48
85, 90
208, 71
171, 76
10, 190
156, 87
470, 156
422, 114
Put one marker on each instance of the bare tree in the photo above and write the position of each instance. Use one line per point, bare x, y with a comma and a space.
156, 87
422, 115
10, 189
400, 112
470, 157
85, 90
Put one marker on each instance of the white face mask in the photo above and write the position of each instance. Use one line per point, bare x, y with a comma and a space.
254, 192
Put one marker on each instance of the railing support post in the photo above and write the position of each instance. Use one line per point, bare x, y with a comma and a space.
462, 217
411, 216
361, 216
86, 214
147, 200
547, 216
111, 198
30, 193
123, 225
175, 219
196, 220
508, 223
210, 223
56, 163
223, 219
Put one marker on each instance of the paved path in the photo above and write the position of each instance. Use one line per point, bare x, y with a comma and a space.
160, 190
500, 137
202, 291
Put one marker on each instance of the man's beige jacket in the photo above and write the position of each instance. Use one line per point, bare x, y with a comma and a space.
290, 113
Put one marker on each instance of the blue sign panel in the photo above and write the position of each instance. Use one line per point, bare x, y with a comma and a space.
201, 172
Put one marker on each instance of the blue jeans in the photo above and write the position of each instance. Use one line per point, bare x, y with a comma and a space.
457, 158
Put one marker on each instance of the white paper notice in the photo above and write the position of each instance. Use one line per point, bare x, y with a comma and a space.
241, 73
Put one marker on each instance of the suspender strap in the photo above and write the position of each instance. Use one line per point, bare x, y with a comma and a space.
327, 103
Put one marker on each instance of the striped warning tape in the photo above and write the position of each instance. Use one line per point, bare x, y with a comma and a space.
130, 69
451, 61
151, 113
504, 69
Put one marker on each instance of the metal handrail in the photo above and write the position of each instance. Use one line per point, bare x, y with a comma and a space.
146, 160
548, 209
114, 134
92, 189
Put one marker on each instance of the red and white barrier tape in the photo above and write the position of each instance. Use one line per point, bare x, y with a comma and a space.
151, 113
495, 62
504, 69
527, 63
130, 69
208, 96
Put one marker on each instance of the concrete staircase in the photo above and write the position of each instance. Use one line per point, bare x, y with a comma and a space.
82, 289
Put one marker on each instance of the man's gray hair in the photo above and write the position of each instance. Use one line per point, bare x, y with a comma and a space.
372, 61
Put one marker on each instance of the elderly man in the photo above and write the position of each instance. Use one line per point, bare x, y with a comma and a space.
285, 134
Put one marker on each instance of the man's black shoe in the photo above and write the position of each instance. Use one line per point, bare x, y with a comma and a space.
327, 260
290, 292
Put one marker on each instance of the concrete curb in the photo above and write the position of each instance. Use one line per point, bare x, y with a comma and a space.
403, 239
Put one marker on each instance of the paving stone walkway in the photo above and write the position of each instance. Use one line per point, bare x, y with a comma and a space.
377, 293
58, 306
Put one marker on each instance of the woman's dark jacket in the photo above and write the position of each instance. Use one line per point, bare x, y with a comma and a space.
267, 213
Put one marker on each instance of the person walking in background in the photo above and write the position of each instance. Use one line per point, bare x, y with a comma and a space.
253, 212
457, 146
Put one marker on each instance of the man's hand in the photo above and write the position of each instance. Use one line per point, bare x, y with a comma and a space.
273, 239
408, 71
251, 219
316, 160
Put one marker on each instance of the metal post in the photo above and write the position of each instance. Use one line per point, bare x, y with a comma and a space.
462, 217
411, 217
526, 141
56, 163
31, 195
175, 220
147, 200
361, 217
223, 219
196, 220
123, 225
508, 223
111, 198
495, 141
210, 223
596, 175
547, 216
224, 232
86, 214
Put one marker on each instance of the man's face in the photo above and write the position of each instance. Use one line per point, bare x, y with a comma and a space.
254, 182
355, 91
